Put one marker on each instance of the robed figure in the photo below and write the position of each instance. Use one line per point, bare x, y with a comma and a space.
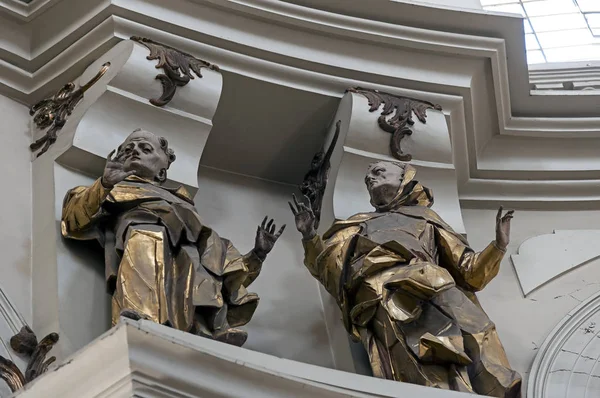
405, 283
162, 263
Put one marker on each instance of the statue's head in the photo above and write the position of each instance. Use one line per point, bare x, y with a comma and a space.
384, 180
146, 154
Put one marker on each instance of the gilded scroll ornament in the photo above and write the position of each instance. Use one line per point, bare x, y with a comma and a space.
176, 65
315, 181
52, 113
162, 262
405, 283
399, 125
25, 343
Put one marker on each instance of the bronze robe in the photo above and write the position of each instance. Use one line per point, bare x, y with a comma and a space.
161, 261
405, 283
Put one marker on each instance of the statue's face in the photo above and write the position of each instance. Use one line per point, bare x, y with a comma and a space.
141, 152
383, 181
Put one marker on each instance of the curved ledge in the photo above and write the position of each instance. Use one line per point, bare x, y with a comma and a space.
160, 361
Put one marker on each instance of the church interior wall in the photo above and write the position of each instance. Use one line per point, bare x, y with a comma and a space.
15, 201
83, 304
289, 320
524, 322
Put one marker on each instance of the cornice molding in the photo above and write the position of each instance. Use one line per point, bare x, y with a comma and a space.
145, 359
259, 39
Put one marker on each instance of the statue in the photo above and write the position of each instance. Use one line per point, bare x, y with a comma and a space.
405, 283
162, 263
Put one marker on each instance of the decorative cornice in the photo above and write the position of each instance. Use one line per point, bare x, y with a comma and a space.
177, 65
480, 105
399, 125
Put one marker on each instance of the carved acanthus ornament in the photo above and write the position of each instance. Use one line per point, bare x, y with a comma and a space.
25, 342
399, 125
177, 67
52, 113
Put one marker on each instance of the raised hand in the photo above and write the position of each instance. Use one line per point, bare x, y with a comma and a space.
503, 228
266, 238
305, 218
113, 171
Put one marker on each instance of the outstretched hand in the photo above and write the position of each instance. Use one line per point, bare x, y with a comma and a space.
266, 238
305, 217
113, 171
503, 228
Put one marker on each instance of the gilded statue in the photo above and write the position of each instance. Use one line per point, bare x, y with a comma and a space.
162, 262
405, 283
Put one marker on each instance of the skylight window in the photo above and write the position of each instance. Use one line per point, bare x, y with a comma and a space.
556, 30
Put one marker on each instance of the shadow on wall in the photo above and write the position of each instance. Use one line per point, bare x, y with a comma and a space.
289, 321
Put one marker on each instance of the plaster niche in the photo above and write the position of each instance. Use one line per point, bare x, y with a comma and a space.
69, 293
568, 362
543, 258
360, 142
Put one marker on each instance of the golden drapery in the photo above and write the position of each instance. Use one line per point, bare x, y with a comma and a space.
161, 261
405, 283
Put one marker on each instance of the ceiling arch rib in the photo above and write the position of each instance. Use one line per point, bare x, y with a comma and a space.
259, 38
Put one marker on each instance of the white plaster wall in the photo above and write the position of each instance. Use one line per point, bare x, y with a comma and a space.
524, 323
83, 304
289, 321
15, 202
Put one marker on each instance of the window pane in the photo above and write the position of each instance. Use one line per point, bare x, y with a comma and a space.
593, 20
573, 53
558, 22
512, 8
589, 5
550, 7
535, 57
565, 38
556, 30
531, 42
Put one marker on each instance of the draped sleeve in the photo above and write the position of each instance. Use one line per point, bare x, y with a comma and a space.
82, 207
227, 272
472, 271
324, 258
